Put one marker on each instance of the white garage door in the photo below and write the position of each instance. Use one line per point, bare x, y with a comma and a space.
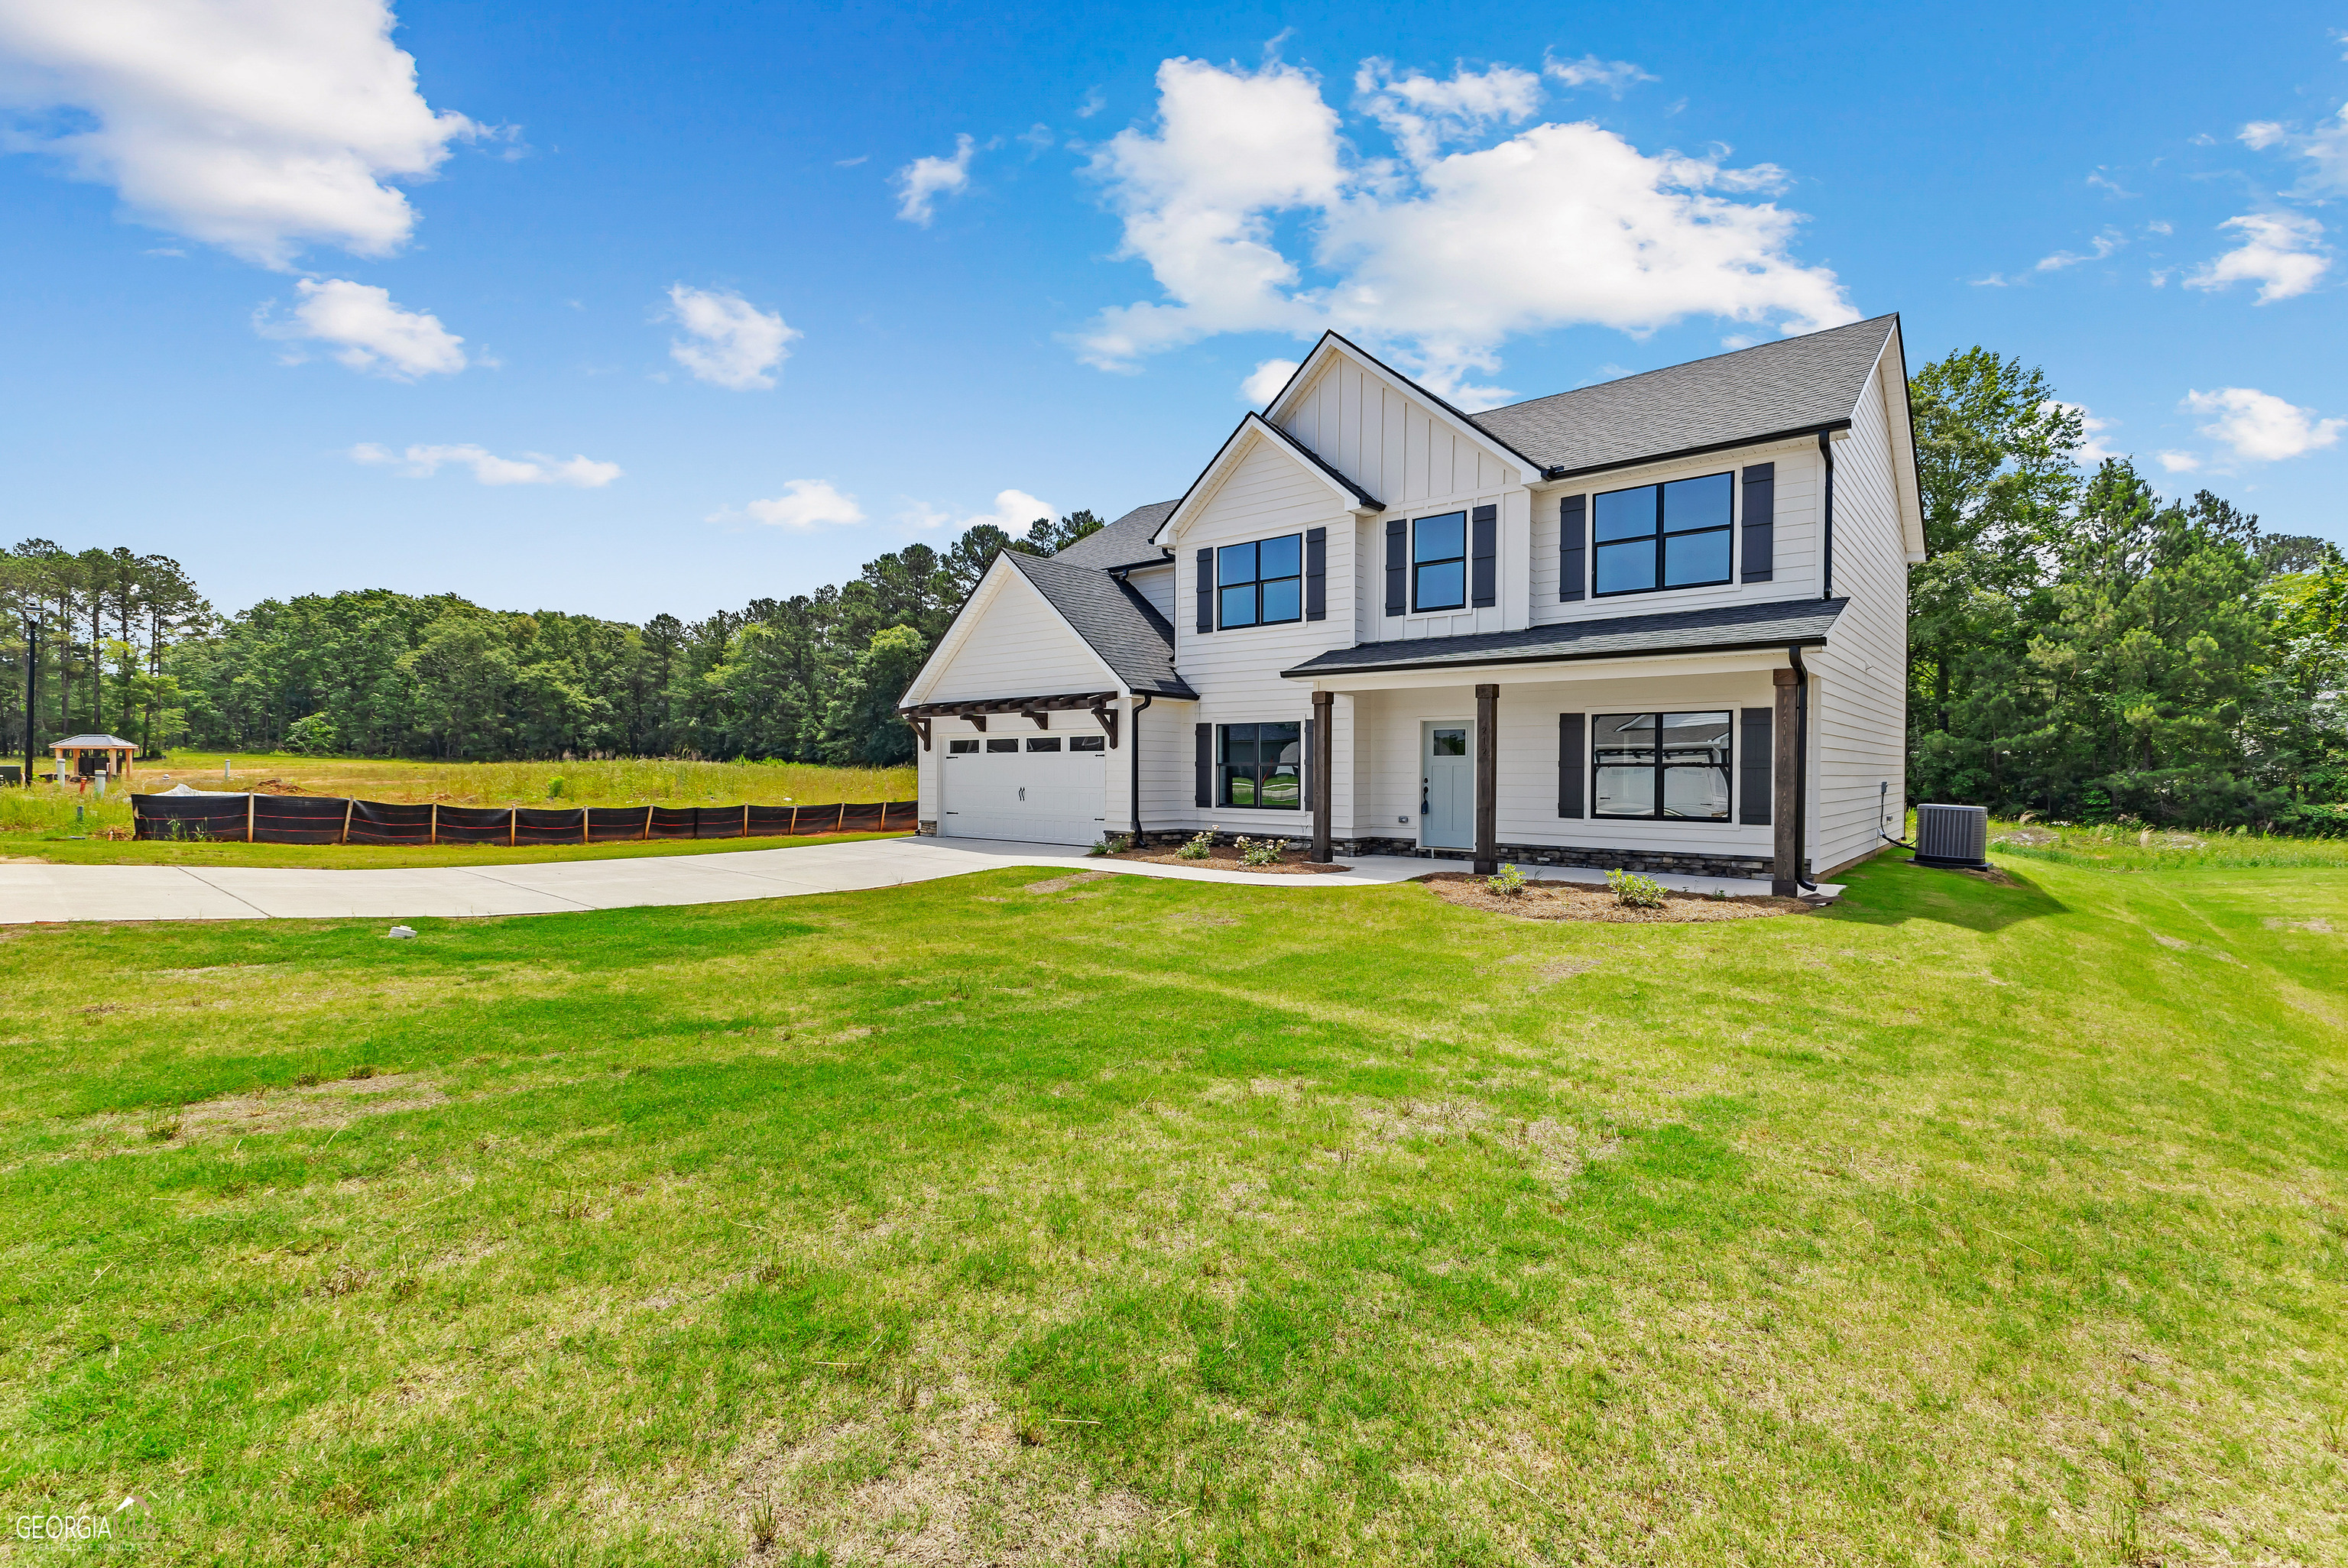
1037, 789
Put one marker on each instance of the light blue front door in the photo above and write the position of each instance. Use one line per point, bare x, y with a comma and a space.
1447, 803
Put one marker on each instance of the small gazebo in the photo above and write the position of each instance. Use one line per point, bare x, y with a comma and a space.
87, 754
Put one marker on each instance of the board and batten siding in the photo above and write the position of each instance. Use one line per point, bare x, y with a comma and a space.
1410, 456
1859, 714
1017, 646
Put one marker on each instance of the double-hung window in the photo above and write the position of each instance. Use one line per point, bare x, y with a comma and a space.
1439, 562
1663, 536
1662, 765
1262, 582
1260, 766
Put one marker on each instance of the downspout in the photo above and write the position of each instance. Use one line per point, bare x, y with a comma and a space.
1133, 743
1826, 573
1802, 766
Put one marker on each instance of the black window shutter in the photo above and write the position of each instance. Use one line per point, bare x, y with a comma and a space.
1206, 590
1397, 531
1753, 770
1305, 774
1760, 525
1206, 791
1484, 528
1569, 765
1316, 574
1572, 546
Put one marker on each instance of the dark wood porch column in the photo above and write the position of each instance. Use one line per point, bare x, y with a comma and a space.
1488, 780
1785, 788
1324, 712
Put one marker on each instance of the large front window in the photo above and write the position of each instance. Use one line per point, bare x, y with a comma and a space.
1654, 765
1439, 562
1663, 536
1261, 765
1262, 582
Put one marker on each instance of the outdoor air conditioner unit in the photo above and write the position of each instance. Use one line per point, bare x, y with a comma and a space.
1955, 836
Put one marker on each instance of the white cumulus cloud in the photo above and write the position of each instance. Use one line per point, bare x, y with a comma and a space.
2281, 251
258, 126
1421, 113
729, 342
1439, 261
530, 468
1590, 71
370, 332
2104, 243
2094, 449
1263, 382
2178, 462
1014, 511
2324, 151
921, 182
805, 506
2261, 426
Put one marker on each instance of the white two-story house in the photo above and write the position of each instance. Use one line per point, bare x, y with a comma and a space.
1657, 623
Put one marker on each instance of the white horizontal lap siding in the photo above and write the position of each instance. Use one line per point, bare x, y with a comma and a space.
1156, 584
1859, 719
1019, 647
1793, 560
1386, 759
1236, 671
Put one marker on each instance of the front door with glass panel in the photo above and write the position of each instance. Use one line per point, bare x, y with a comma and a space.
1447, 798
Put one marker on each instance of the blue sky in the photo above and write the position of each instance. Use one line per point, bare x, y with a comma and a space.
625, 309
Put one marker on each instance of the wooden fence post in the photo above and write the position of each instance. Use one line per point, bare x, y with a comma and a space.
348, 806
746, 819
584, 823
513, 826
841, 826
648, 825
433, 834
248, 816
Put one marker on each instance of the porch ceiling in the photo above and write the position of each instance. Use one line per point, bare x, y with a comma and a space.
1723, 629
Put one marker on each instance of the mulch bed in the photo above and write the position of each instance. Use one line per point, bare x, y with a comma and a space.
1292, 861
1592, 901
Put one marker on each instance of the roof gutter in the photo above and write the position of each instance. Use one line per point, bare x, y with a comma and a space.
1826, 565
1307, 671
1133, 744
1821, 431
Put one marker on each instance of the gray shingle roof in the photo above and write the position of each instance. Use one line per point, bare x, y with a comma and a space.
1125, 542
1121, 626
1771, 389
1717, 630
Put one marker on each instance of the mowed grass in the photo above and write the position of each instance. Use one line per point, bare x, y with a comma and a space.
1164, 1223
67, 825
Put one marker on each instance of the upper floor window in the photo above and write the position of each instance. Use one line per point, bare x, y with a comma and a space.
1663, 536
1439, 562
1260, 583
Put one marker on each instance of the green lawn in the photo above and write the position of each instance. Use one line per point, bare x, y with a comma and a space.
1144, 1221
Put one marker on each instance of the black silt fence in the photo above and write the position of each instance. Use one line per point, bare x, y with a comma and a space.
309, 819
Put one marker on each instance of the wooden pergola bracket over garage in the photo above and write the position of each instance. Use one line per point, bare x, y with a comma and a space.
1103, 705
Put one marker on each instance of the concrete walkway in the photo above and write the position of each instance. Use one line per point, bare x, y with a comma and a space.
32, 892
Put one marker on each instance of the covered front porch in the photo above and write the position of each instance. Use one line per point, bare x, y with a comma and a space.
1689, 766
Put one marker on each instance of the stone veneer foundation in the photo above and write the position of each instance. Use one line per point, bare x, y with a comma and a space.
1755, 866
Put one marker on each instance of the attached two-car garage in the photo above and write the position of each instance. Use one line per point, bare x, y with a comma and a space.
1035, 789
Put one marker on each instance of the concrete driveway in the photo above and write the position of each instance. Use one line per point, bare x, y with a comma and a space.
33, 893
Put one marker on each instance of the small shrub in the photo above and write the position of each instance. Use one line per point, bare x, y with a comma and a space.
1510, 881
1115, 844
1259, 851
1200, 845
554, 787
1634, 891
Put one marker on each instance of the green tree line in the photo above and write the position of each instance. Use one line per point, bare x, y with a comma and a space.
2081, 647
812, 678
